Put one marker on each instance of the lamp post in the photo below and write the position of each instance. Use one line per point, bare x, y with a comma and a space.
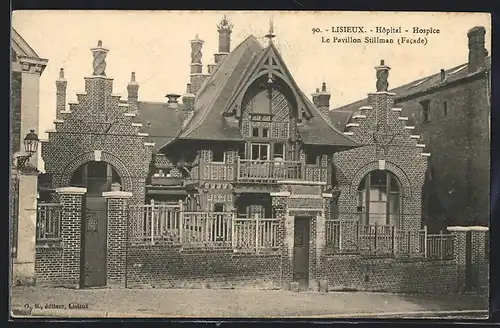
30, 146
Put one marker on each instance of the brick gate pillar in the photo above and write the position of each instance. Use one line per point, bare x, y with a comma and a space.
479, 258
71, 199
117, 222
285, 236
459, 249
25, 229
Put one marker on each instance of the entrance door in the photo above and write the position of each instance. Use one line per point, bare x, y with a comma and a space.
301, 253
97, 178
94, 257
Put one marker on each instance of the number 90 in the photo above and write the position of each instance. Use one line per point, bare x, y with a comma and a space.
316, 30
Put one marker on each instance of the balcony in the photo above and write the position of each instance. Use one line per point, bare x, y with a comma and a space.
269, 171
166, 181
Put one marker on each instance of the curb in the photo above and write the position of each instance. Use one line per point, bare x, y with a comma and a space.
63, 314
43, 313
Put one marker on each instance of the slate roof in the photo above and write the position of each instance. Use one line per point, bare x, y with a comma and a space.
208, 122
159, 121
421, 85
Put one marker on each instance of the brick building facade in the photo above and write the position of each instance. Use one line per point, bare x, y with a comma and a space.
245, 183
450, 112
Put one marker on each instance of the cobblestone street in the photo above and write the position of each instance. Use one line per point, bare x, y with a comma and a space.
239, 303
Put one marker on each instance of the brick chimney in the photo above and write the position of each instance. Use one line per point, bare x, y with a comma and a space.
224, 28
99, 85
173, 100
381, 101
61, 85
477, 51
188, 99
321, 99
133, 93
197, 76
443, 75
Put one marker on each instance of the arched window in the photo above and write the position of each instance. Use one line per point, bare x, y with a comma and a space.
379, 199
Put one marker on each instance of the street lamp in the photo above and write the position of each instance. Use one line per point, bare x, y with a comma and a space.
30, 146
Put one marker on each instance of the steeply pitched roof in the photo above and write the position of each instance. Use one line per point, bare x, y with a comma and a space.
159, 121
340, 118
221, 88
421, 85
208, 122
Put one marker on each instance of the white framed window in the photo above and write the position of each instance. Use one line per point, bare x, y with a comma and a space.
379, 199
260, 151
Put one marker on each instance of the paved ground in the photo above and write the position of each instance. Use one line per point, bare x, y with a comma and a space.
240, 303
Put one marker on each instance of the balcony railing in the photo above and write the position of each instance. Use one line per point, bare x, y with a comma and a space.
269, 171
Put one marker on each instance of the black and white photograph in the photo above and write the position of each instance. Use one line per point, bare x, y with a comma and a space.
249, 164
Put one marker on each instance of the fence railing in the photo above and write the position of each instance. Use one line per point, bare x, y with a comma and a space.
153, 224
349, 236
269, 171
439, 246
48, 226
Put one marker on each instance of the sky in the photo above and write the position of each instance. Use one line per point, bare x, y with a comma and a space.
155, 45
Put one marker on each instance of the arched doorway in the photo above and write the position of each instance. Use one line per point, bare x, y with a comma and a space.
379, 199
97, 177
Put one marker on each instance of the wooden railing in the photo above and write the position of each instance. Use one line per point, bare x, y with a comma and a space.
155, 224
349, 236
269, 171
48, 225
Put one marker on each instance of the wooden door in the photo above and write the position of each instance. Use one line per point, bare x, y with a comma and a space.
98, 180
301, 253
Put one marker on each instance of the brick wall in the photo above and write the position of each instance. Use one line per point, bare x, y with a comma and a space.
49, 265
352, 272
173, 267
383, 132
97, 121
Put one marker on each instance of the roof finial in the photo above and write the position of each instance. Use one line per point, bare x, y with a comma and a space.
271, 34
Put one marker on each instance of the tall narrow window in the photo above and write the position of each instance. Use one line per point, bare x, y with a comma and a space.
265, 132
255, 132
426, 111
379, 199
279, 152
242, 151
445, 108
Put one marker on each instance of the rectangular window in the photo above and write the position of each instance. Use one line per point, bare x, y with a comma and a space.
312, 159
218, 207
279, 151
255, 132
265, 132
217, 156
445, 108
426, 111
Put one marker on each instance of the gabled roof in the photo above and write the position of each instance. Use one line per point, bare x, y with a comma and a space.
208, 122
417, 86
161, 122
21, 47
229, 79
